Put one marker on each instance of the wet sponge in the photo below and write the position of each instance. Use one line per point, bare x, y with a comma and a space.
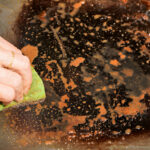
36, 92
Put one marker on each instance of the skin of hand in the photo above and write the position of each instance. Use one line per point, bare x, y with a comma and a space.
15, 73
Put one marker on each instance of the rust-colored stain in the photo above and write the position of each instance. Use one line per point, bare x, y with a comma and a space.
114, 62
120, 43
28, 108
87, 79
128, 49
103, 112
122, 56
42, 17
73, 121
124, 1
76, 7
146, 2
62, 103
128, 72
77, 61
135, 106
30, 51
38, 109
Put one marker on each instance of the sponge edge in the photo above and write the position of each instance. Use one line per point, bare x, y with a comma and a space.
36, 92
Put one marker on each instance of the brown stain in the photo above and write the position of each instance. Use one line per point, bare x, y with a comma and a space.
125, 24
62, 103
148, 39
97, 16
98, 90
122, 56
103, 112
107, 68
99, 57
42, 16
125, 1
27, 109
73, 121
139, 16
49, 142
50, 69
105, 24
143, 33
120, 43
112, 114
76, 7
115, 132
30, 51
128, 72
123, 101
138, 127
67, 83
111, 86
145, 50
85, 135
43, 56
64, 97
87, 79
104, 88
76, 62
135, 106
88, 93
38, 109
107, 28
70, 84
128, 49
76, 42
128, 131
116, 75
114, 62
89, 44
47, 66
146, 2
97, 28
78, 19
145, 17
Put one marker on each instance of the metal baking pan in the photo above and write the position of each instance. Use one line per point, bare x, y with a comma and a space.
94, 58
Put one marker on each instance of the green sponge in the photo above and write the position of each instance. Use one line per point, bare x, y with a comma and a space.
36, 92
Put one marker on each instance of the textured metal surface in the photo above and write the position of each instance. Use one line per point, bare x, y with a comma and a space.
95, 63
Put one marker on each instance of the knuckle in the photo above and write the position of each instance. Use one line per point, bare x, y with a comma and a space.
26, 62
17, 80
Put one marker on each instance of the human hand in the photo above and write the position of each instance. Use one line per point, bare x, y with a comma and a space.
15, 73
